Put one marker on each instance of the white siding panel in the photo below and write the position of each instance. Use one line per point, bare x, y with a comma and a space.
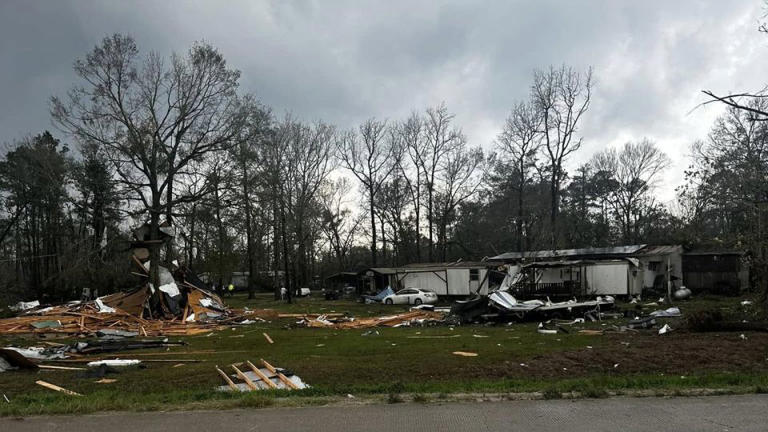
425, 280
458, 281
607, 279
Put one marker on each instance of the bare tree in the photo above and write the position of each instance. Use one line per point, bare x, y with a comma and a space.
256, 130
461, 176
519, 142
339, 224
561, 96
411, 136
441, 138
151, 118
636, 169
371, 157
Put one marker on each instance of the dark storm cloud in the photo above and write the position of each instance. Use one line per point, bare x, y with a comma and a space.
344, 61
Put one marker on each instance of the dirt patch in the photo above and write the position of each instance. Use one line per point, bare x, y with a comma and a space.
675, 353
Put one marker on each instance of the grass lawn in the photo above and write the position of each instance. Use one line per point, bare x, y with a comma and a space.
419, 360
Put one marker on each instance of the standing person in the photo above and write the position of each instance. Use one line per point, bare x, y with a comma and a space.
231, 289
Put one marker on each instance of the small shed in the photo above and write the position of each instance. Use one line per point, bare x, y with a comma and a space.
718, 272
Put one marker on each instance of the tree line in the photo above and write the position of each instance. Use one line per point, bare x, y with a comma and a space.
172, 140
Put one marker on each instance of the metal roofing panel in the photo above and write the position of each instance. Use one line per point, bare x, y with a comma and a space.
613, 250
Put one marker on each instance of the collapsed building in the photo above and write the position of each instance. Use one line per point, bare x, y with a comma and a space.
181, 304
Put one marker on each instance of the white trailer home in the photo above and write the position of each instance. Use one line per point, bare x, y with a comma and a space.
445, 279
620, 270
579, 278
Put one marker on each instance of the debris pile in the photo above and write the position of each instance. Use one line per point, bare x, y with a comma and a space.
501, 306
182, 305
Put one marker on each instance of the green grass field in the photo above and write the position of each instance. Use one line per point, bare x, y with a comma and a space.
417, 361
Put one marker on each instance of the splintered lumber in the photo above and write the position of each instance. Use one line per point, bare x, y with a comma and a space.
227, 379
261, 375
57, 388
465, 354
280, 375
269, 339
245, 378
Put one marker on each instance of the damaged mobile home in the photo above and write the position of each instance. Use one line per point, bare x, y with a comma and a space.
615, 271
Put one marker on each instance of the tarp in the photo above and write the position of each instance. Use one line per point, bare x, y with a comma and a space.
381, 295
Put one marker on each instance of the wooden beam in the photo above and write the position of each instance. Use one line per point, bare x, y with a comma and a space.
280, 375
227, 379
57, 388
261, 375
269, 339
245, 378
59, 367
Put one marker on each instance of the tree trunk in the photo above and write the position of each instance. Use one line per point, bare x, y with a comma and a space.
248, 228
418, 215
431, 228
283, 230
373, 225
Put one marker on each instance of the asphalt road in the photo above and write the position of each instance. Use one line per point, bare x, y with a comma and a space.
701, 414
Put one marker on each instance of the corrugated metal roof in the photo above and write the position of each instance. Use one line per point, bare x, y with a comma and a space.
721, 252
564, 253
660, 250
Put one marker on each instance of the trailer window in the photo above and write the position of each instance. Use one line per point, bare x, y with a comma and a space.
474, 274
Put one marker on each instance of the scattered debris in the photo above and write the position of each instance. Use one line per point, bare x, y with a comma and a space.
642, 323
434, 336
22, 306
56, 388
420, 317
746, 302
665, 329
667, 313
465, 354
106, 381
12, 360
114, 363
269, 339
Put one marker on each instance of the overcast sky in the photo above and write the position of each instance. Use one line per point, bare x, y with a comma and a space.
344, 61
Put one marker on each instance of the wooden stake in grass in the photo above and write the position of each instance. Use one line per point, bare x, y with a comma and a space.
227, 379
261, 375
269, 339
57, 388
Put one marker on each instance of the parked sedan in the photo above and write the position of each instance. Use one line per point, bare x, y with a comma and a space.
414, 296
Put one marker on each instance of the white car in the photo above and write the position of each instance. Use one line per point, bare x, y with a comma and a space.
414, 296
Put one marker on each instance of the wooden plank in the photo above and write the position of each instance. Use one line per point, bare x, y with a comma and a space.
141, 266
245, 378
269, 339
280, 375
227, 379
261, 375
59, 367
57, 388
